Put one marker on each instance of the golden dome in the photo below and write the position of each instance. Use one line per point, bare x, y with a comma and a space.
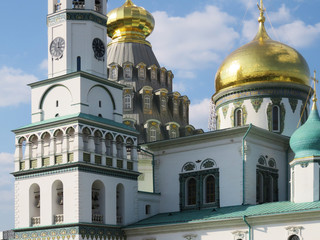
130, 23
263, 60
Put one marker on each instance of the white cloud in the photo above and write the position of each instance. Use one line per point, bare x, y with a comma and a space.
179, 87
6, 167
44, 65
281, 16
13, 86
299, 34
199, 114
190, 42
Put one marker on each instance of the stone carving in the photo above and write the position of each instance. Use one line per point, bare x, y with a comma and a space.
240, 235
293, 103
190, 236
225, 110
189, 166
256, 103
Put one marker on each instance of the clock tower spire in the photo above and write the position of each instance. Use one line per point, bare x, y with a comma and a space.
77, 37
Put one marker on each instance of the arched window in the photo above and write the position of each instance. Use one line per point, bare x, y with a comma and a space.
127, 72
275, 118
34, 207
108, 144
173, 133
191, 191
57, 202
114, 73
120, 204
85, 137
119, 147
210, 189
127, 102
98, 200
153, 74
97, 142
147, 102
141, 73
293, 237
163, 103
98, 6
153, 134
238, 117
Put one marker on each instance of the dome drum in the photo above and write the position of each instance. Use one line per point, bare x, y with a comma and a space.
269, 89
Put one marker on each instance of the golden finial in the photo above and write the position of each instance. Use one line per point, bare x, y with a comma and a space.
315, 81
262, 10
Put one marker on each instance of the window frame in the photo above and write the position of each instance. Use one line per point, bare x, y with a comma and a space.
275, 120
127, 102
238, 117
200, 177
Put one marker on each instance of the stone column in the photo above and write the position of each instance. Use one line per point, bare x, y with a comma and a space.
52, 151
124, 155
65, 148
78, 147
27, 155
134, 157
114, 153
40, 152
103, 151
91, 148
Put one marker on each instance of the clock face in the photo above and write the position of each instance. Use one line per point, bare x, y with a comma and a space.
98, 48
57, 47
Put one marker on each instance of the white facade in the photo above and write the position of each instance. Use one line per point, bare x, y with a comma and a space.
78, 23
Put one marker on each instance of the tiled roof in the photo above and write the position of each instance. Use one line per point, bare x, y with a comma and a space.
225, 213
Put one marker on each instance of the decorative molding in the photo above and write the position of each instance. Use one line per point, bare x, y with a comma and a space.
70, 233
208, 163
244, 113
190, 236
294, 230
266, 92
293, 103
240, 235
225, 110
276, 101
77, 166
189, 166
56, 19
256, 103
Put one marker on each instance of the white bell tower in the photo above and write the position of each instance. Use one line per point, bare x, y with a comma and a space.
77, 37
76, 164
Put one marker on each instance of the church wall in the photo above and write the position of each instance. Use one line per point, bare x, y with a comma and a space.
225, 153
25, 201
305, 230
76, 94
109, 185
145, 199
257, 114
257, 147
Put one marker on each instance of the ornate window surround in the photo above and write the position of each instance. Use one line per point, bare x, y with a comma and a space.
200, 177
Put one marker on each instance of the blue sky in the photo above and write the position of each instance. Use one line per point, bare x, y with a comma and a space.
191, 38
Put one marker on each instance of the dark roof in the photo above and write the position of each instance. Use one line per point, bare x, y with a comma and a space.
131, 52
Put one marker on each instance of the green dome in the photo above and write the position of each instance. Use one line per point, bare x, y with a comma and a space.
305, 141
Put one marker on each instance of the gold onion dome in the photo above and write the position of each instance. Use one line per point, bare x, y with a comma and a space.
130, 23
261, 61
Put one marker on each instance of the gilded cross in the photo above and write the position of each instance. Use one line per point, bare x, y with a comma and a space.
315, 81
262, 10
261, 7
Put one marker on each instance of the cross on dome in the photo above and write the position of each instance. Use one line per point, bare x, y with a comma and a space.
315, 81
262, 10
